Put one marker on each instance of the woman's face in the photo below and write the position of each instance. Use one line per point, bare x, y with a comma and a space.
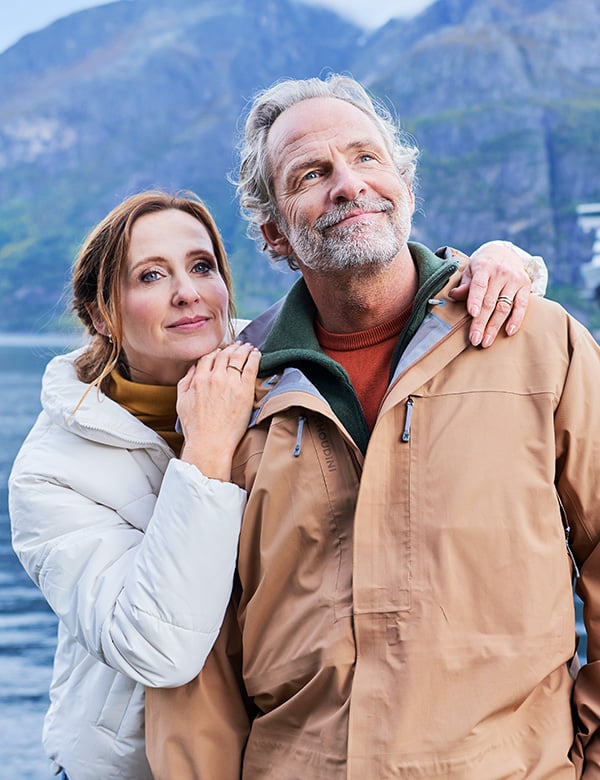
174, 300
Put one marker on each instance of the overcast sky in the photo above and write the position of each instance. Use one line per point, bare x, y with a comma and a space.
19, 17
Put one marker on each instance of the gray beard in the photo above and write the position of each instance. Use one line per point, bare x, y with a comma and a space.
323, 247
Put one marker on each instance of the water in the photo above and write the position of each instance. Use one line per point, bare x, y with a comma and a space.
27, 626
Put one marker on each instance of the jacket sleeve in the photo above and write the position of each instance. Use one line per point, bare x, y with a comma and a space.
577, 426
199, 731
150, 604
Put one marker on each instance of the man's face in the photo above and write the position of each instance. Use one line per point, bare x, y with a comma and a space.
342, 203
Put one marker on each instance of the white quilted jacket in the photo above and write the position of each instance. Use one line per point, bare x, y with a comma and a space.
134, 550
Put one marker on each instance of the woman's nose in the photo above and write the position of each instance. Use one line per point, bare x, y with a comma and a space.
185, 293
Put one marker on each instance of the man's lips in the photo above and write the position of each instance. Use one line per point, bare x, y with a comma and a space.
352, 212
355, 216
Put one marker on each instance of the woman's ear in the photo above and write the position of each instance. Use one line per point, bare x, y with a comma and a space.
97, 321
275, 239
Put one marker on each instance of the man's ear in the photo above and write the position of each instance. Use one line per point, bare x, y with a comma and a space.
276, 240
97, 320
411, 198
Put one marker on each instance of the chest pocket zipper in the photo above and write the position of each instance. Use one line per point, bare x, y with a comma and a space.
298, 447
408, 418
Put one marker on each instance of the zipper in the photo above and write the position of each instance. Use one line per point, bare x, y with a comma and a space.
298, 447
124, 441
570, 552
567, 532
408, 418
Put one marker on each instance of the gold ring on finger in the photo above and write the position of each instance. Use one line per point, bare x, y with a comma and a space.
505, 299
235, 368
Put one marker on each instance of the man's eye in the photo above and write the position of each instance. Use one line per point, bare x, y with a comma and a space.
366, 157
311, 175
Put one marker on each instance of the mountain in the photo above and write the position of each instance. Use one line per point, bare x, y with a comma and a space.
504, 102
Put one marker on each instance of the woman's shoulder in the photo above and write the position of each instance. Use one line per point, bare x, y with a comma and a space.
239, 325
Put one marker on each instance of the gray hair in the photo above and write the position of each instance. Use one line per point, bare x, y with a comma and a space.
254, 185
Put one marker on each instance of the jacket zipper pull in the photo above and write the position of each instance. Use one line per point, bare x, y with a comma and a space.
298, 447
570, 551
409, 410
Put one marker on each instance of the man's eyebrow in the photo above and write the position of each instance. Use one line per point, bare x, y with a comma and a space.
303, 164
311, 162
366, 143
300, 165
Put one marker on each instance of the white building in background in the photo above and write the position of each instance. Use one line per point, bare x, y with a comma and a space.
588, 218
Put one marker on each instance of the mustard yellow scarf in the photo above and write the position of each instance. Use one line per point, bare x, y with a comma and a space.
154, 405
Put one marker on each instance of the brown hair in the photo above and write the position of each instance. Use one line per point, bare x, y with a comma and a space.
98, 269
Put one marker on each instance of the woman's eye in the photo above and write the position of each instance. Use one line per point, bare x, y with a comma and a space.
202, 267
150, 276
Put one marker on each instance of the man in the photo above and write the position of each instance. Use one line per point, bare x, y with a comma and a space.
404, 605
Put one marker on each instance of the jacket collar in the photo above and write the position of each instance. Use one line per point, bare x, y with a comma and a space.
445, 328
286, 336
97, 417
285, 333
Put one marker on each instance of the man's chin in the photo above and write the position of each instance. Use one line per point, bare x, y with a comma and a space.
361, 262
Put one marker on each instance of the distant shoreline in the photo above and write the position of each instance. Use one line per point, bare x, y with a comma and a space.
41, 339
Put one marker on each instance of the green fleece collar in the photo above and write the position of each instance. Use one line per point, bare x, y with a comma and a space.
292, 340
434, 271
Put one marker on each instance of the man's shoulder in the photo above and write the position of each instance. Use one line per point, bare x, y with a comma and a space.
548, 319
548, 309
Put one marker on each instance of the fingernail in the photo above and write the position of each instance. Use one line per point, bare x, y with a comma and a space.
475, 338
511, 329
488, 340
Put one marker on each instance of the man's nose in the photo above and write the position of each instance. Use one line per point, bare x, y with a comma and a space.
346, 184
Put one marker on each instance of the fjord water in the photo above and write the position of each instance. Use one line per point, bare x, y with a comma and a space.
27, 626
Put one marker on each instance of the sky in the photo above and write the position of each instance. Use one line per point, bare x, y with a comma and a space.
19, 17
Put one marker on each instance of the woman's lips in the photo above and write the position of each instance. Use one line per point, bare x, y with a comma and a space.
189, 323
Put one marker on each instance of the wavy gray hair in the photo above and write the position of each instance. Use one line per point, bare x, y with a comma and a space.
254, 184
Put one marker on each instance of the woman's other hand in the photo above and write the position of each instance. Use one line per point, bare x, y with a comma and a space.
497, 288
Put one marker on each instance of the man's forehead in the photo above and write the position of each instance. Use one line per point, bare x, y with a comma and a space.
318, 119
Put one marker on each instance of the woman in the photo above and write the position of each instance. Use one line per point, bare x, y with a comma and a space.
128, 527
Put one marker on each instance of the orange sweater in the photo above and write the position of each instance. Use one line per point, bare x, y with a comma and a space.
366, 355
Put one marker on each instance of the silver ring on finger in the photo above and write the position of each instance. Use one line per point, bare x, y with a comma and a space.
505, 299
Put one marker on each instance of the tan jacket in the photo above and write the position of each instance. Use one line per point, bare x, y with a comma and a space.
409, 614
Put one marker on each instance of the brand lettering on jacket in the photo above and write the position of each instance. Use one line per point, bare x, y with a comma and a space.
325, 446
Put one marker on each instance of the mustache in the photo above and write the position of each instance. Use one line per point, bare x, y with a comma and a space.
338, 213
